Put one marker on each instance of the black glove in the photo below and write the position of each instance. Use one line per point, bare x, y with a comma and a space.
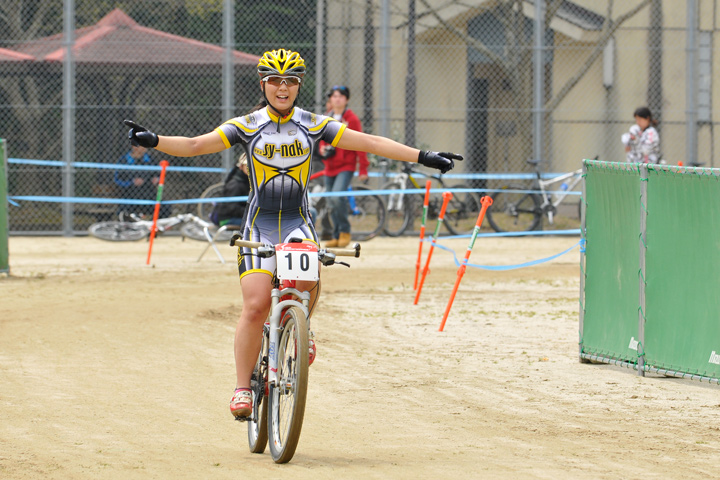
442, 161
140, 135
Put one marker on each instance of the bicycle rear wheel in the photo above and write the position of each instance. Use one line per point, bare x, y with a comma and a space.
367, 215
462, 212
118, 231
514, 211
399, 211
257, 425
286, 400
213, 191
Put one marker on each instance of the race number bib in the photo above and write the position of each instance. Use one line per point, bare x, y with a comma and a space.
297, 261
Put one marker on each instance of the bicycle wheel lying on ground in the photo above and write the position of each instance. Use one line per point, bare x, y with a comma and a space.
194, 231
515, 211
367, 215
119, 231
462, 212
286, 400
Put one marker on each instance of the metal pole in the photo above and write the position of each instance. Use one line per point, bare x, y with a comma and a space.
410, 81
583, 210
538, 80
643, 250
228, 71
319, 50
369, 70
385, 69
690, 86
68, 175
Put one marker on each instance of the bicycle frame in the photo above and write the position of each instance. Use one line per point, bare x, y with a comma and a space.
553, 198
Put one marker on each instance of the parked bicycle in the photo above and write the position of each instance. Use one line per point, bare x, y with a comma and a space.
366, 215
521, 209
404, 210
131, 227
280, 377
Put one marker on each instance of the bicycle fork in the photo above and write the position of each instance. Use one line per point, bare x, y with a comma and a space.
276, 313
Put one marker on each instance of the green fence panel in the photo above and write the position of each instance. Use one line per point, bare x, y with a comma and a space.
610, 323
682, 330
4, 253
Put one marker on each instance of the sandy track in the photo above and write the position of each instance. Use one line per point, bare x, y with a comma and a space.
110, 369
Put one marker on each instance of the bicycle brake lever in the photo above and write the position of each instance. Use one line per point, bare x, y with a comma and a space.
342, 263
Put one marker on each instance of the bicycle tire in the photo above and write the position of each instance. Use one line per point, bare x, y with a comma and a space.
367, 219
399, 210
290, 393
118, 231
213, 191
514, 211
194, 231
462, 211
257, 430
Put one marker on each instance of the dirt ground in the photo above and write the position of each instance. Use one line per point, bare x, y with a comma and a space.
111, 369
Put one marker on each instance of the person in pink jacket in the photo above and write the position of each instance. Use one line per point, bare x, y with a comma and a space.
340, 166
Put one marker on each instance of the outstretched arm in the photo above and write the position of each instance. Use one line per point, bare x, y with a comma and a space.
353, 140
177, 146
190, 147
382, 146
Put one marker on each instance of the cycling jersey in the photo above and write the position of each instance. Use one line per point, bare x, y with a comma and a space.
279, 152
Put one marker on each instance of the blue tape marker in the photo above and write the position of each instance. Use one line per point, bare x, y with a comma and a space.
504, 267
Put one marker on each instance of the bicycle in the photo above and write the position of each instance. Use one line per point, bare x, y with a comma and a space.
366, 212
521, 210
204, 209
280, 376
137, 228
404, 210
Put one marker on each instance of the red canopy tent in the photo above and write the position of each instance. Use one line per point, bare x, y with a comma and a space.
119, 41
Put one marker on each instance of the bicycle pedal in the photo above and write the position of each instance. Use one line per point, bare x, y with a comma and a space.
243, 419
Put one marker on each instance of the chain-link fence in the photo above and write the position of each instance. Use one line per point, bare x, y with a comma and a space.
501, 81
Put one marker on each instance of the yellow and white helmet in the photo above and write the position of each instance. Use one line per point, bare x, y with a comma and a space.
281, 62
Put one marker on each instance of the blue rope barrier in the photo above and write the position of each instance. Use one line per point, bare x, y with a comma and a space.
113, 166
119, 166
354, 193
501, 267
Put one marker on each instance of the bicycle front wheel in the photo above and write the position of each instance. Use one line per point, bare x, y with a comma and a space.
515, 211
118, 231
257, 425
286, 406
399, 211
462, 212
367, 215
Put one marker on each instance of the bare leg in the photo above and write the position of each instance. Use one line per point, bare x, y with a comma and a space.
256, 288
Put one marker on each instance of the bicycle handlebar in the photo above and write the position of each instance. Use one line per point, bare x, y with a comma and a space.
353, 251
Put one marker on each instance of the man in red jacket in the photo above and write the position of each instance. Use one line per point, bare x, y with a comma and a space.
340, 167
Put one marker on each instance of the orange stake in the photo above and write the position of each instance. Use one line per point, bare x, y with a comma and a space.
422, 232
163, 165
486, 202
446, 199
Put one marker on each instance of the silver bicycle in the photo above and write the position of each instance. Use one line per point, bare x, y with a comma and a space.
133, 227
518, 208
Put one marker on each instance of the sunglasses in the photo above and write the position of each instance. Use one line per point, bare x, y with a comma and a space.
277, 80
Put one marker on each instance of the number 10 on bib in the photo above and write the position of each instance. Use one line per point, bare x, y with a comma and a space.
297, 261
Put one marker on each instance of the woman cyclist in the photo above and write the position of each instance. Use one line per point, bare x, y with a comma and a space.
279, 140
